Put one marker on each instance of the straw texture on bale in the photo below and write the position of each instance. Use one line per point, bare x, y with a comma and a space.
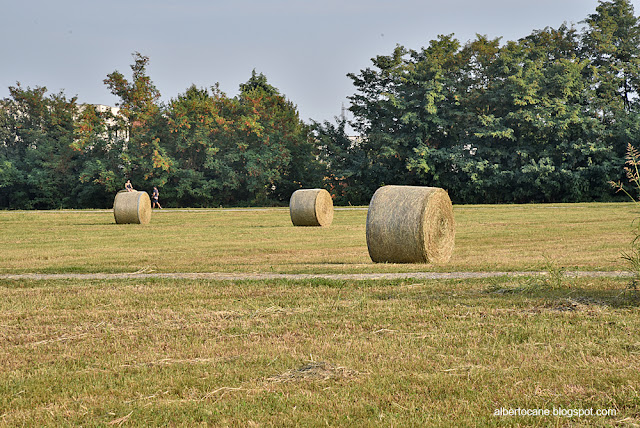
132, 207
410, 224
311, 207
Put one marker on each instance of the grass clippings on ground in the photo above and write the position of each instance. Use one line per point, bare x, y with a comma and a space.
314, 371
316, 352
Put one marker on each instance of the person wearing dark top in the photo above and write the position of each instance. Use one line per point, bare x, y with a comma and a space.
128, 186
155, 196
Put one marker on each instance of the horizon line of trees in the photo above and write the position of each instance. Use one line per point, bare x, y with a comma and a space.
546, 118
201, 149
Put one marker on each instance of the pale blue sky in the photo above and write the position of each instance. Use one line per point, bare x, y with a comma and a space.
304, 47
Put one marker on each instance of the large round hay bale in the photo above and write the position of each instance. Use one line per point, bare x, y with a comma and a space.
132, 207
410, 224
311, 207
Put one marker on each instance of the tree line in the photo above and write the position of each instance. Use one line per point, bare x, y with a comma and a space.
546, 118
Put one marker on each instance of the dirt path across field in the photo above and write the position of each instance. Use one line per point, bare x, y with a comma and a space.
240, 276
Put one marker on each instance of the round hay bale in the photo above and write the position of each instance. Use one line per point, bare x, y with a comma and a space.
410, 224
132, 207
311, 207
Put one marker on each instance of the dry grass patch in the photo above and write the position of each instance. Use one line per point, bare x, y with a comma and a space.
511, 237
309, 353
315, 371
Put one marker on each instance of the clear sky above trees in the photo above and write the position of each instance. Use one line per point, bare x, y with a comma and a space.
546, 118
305, 48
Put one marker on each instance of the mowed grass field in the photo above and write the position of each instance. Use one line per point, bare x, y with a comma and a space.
488, 238
317, 352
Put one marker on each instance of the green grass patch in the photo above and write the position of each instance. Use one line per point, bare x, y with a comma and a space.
169, 352
316, 353
488, 238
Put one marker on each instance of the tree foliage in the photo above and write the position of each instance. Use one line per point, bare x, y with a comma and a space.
36, 153
542, 119
545, 118
202, 149
250, 149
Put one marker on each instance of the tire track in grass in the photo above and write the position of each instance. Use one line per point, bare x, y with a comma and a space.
223, 276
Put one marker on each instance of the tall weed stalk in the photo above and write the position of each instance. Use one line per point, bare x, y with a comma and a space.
632, 172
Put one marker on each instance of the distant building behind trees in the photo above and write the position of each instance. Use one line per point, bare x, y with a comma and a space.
546, 118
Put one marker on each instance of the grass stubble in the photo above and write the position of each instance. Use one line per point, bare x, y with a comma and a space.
316, 352
160, 352
488, 238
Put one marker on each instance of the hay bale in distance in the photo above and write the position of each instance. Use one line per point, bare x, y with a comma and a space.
311, 207
132, 207
410, 224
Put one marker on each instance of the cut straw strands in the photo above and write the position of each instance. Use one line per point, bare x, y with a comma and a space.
311, 207
132, 207
410, 224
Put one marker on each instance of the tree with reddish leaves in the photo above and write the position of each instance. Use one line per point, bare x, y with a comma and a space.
250, 149
144, 158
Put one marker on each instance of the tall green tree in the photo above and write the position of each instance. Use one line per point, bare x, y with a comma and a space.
612, 44
38, 166
344, 160
99, 148
195, 121
530, 135
490, 122
144, 158
287, 136
398, 107
250, 149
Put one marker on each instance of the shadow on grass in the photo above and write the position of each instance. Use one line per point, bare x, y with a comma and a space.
557, 286
567, 295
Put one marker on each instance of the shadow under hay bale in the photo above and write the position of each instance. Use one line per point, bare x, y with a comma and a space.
311, 207
410, 224
132, 207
